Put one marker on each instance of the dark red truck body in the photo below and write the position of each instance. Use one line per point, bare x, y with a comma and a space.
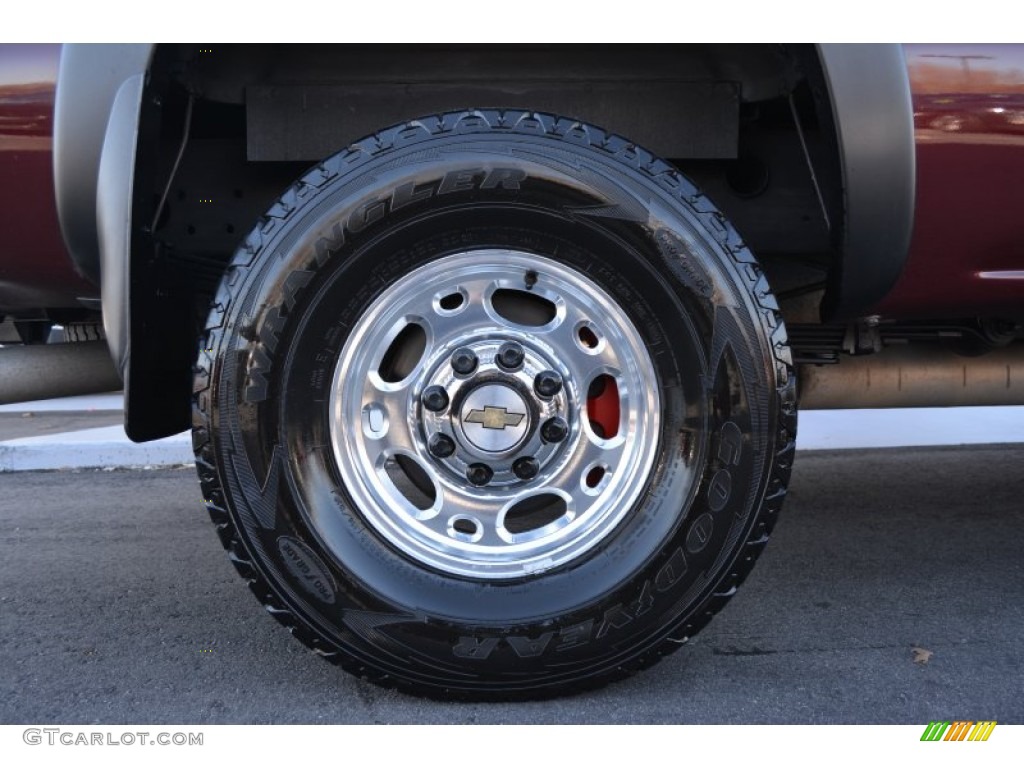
968, 236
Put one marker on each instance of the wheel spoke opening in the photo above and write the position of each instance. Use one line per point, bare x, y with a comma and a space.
411, 480
587, 337
403, 354
452, 302
523, 307
603, 406
594, 478
466, 529
375, 421
534, 513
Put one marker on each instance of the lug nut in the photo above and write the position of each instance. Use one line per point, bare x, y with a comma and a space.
479, 474
435, 398
554, 430
525, 467
510, 356
441, 446
463, 361
547, 384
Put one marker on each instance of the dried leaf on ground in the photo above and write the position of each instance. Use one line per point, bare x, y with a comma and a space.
921, 655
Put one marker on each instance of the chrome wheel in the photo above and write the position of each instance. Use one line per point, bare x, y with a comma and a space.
494, 414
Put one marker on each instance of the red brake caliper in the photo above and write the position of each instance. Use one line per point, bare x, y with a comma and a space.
603, 406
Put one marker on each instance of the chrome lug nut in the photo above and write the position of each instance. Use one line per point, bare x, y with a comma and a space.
435, 398
547, 384
510, 356
525, 467
479, 474
463, 361
554, 430
441, 446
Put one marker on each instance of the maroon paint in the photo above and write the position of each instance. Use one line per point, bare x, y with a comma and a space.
969, 218
35, 270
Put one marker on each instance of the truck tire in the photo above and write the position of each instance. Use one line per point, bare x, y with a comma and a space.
78, 332
494, 404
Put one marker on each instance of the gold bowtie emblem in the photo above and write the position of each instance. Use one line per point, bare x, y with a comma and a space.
492, 417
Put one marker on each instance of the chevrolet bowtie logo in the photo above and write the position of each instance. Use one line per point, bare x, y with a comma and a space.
495, 418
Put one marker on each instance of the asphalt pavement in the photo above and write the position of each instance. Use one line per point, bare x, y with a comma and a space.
892, 592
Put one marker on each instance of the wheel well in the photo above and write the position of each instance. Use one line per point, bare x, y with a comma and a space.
225, 128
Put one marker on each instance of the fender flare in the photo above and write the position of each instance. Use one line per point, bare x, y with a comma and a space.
88, 79
869, 88
96, 109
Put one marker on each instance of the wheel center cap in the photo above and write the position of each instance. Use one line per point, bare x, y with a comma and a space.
494, 418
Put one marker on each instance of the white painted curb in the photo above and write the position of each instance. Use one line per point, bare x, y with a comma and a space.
909, 427
100, 447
